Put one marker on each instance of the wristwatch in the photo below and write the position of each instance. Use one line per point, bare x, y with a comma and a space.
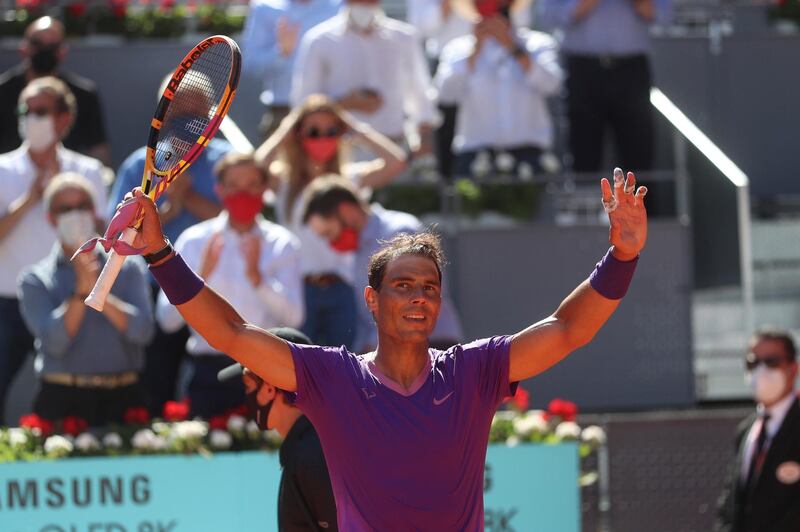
160, 254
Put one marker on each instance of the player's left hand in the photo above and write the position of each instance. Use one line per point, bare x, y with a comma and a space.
626, 213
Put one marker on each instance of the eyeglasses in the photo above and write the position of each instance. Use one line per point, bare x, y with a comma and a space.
771, 361
24, 110
316, 133
63, 209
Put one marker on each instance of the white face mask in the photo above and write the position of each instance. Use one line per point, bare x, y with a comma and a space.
39, 131
75, 227
362, 16
768, 384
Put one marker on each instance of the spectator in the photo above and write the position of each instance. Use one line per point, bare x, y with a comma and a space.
189, 200
373, 66
88, 361
334, 210
47, 110
606, 42
271, 34
499, 76
43, 50
763, 488
247, 260
305, 496
309, 144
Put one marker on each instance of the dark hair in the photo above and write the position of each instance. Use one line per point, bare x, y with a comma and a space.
778, 335
324, 195
426, 244
231, 159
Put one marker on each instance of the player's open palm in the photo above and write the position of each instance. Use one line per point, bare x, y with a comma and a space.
626, 212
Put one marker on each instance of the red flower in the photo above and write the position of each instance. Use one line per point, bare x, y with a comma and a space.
29, 4
136, 416
74, 425
519, 400
566, 410
76, 9
119, 8
218, 423
33, 421
176, 410
240, 410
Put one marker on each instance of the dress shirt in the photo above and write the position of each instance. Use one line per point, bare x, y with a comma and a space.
437, 31
613, 27
32, 238
334, 60
98, 347
500, 104
383, 225
262, 57
317, 256
776, 415
278, 300
201, 173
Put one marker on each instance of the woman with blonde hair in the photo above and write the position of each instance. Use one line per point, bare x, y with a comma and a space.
313, 141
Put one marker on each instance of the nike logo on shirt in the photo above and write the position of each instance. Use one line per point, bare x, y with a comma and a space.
437, 402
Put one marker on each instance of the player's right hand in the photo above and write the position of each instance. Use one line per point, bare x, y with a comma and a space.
150, 236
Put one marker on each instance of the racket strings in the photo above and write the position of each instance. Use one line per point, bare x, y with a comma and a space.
193, 105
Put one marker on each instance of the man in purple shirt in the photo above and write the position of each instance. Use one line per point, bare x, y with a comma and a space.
404, 428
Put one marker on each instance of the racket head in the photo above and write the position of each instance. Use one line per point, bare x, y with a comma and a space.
190, 110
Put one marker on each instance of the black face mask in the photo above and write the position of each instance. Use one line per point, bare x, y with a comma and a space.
256, 412
45, 59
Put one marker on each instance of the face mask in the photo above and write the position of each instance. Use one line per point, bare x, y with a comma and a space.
75, 227
39, 131
243, 206
256, 412
45, 59
362, 16
321, 150
346, 241
487, 8
767, 384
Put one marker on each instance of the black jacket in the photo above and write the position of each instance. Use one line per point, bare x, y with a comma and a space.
774, 504
305, 499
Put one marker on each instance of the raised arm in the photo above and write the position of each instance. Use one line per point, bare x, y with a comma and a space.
586, 309
210, 314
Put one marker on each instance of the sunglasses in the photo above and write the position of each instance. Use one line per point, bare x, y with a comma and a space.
24, 110
63, 209
316, 133
770, 361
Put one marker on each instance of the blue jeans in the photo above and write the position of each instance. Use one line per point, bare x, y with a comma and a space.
15, 343
330, 314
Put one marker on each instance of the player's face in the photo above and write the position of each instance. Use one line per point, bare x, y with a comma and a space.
407, 305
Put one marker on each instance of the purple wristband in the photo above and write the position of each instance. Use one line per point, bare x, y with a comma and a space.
611, 277
177, 280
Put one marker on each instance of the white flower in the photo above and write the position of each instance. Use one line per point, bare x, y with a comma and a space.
57, 445
159, 427
533, 422
594, 435
252, 429
481, 164
158, 443
568, 430
87, 442
112, 440
512, 441
144, 439
186, 430
504, 162
236, 423
17, 436
219, 439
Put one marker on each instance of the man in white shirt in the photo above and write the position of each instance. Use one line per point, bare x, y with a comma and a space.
47, 110
763, 488
500, 77
250, 261
373, 66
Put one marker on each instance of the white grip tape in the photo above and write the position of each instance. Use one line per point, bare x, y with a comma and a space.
97, 298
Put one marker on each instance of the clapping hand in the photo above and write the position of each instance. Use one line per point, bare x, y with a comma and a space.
626, 213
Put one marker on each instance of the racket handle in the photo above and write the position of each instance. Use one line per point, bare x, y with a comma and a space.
97, 298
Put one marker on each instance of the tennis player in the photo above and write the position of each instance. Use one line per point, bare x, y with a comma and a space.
404, 429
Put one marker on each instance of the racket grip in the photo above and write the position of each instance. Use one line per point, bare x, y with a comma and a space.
97, 298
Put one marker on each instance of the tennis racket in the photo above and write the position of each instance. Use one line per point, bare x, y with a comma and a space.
190, 111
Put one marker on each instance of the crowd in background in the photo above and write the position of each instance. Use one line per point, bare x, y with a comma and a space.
351, 101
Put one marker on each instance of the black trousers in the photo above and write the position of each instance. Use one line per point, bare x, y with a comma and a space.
207, 395
15, 344
98, 406
610, 93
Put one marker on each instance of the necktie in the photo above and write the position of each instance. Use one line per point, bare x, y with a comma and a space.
759, 453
